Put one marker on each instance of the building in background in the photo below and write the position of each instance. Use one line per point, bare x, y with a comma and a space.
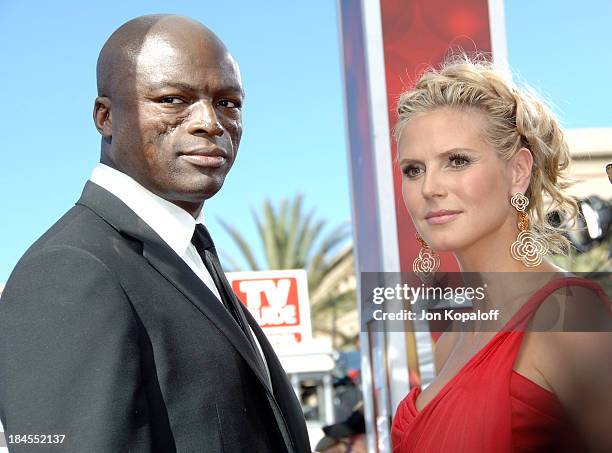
591, 151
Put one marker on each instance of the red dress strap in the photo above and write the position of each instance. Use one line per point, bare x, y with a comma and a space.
522, 317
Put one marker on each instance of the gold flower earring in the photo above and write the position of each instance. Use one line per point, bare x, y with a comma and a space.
528, 249
427, 263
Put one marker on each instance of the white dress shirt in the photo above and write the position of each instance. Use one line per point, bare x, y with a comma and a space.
173, 224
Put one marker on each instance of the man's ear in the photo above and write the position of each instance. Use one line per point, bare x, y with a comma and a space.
102, 117
521, 165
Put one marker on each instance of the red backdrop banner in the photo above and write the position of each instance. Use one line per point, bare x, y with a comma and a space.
416, 35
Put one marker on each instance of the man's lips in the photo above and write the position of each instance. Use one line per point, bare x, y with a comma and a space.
441, 217
209, 157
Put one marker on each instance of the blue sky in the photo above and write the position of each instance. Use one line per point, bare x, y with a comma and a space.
294, 137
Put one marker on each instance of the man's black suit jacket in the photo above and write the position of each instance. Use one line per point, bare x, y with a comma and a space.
108, 337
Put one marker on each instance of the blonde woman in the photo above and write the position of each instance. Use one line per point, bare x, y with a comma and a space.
479, 160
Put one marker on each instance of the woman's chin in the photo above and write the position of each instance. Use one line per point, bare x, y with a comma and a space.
444, 247
453, 244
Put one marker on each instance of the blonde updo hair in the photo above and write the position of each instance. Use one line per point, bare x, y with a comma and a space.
516, 119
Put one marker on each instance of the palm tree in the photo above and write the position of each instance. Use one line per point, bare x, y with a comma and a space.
292, 239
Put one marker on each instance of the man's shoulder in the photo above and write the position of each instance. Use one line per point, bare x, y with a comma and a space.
78, 228
79, 251
80, 231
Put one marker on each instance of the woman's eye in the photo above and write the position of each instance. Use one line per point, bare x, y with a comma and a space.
412, 172
459, 161
172, 100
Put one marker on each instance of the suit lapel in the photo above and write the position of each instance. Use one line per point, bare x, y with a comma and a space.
171, 267
174, 269
285, 404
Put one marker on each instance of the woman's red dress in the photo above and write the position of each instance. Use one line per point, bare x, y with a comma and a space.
489, 407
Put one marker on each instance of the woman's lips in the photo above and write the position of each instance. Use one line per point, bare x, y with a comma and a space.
441, 218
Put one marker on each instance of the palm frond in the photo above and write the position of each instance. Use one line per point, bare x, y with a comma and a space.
242, 244
292, 239
292, 231
270, 235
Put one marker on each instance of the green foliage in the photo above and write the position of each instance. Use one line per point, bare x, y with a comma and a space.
293, 239
595, 264
596, 259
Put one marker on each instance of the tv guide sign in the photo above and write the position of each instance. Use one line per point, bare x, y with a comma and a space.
278, 300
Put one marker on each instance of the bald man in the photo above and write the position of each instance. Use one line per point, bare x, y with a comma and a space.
118, 329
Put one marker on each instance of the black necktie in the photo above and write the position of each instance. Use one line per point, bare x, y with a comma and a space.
206, 249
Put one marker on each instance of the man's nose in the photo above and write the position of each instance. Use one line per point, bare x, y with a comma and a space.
203, 120
433, 184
